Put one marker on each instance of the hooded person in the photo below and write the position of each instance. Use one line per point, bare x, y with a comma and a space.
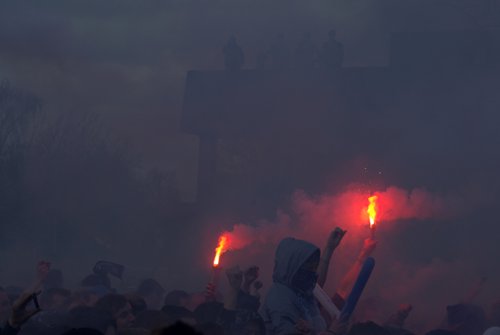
290, 304
492, 331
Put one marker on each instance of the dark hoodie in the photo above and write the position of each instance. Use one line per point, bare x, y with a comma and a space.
285, 305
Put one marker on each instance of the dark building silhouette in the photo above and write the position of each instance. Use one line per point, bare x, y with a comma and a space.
445, 50
265, 133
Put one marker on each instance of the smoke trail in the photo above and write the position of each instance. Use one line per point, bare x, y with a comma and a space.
311, 217
412, 266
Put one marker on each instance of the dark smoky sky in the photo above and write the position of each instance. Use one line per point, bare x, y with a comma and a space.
127, 60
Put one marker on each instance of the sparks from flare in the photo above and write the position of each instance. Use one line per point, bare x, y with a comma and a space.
372, 210
221, 248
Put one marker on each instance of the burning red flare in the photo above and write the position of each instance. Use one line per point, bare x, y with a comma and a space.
372, 210
221, 248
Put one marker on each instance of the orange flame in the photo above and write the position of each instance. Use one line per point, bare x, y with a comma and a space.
372, 210
221, 248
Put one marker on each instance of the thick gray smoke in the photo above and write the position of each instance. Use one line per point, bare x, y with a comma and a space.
419, 260
316, 215
72, 193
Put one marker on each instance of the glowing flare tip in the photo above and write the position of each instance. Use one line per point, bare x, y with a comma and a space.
372, 210
220, 249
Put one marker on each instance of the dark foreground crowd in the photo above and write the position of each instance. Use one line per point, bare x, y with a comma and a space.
289, 307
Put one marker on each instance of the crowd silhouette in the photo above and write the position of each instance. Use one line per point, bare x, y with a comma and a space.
291, 304
280, 56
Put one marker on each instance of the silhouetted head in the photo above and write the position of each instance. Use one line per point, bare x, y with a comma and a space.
368, 328
306, 277
211, 328
178, 329
96, 280
152, 292
119, 307
83, 331
152, 320
55, 299
441, 332
177, 313
88, 296
54, 279
232, 40
296, 263
195, 300
398, 331
150, 287
91, 317
208, 312
137, 302
254, 326
332, 34
177, 298
133, 331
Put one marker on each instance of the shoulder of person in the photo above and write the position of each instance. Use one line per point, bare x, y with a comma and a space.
280, 295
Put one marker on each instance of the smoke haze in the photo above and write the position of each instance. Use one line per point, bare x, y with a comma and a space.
98, 167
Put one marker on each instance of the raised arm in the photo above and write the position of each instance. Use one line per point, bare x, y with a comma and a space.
397, 320
20, 313
348, 281
333, 242
235, 279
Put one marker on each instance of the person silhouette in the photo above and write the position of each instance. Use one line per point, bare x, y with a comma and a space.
332, 53
234, 58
